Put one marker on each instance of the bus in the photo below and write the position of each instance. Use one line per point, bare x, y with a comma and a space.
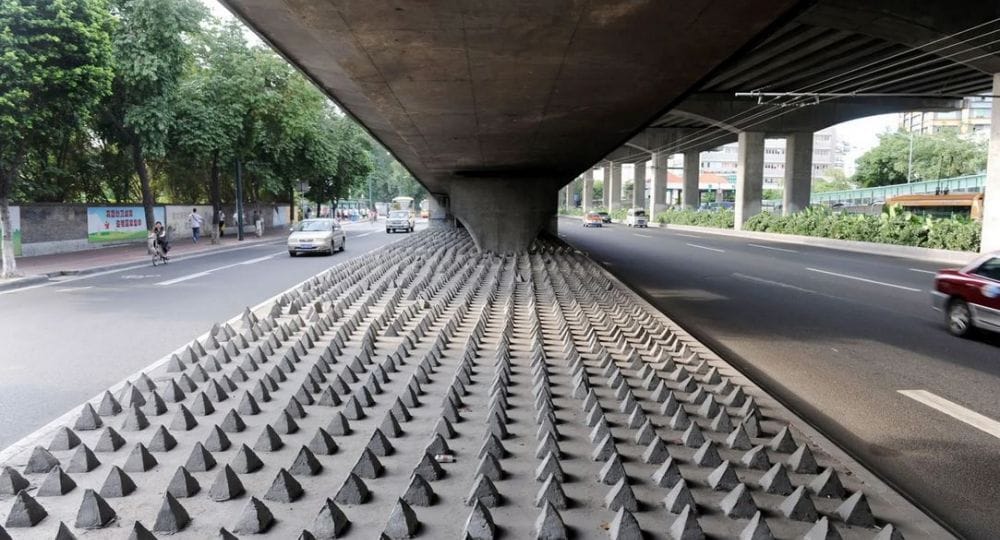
402, 203
969, 205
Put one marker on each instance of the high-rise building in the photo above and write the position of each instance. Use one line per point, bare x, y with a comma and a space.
828, 153
972, 119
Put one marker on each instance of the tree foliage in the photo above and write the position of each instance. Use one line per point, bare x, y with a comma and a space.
945, 154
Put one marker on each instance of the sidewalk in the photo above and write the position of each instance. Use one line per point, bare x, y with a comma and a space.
42, 267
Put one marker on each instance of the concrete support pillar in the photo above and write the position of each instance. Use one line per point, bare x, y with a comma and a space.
504, 215
991, 205
438, 216
659, 183
616, 187
798, 172
568, 195
606, 191
588, 191
639, 185
692, 173
749, 176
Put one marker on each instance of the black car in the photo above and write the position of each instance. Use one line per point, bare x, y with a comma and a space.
605, 217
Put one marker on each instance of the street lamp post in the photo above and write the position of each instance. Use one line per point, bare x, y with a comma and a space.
239, 200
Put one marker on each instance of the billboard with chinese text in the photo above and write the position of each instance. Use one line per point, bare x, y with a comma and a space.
110, 224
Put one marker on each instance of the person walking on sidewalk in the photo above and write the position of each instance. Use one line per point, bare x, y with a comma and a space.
195, 220
222, 223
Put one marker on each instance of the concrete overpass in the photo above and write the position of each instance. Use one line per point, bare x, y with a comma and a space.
494, 106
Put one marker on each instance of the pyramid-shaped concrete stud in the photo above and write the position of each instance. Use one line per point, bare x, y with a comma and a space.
756, 529
64, 439
55, 484
479, 525
284, 488
549, 525
227, 485
686, 526
827, 484
117, 484
255, 518
182, 484
738, 503
25, 512
822, 530
172, 517
776, 481
41, 461
799, 506
625, 526
94, 512
353, 491
88, 420
668, 474
162, 441
855, 511
11, 481
305, 463
140, 459
246, 460
551, 494
678, 498
490, 467
484, 491
723, 477
402, 523
419, 492
330, 522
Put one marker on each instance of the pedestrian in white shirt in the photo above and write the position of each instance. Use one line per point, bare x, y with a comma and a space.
196, 221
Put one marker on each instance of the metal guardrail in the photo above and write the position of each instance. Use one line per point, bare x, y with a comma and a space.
960, 184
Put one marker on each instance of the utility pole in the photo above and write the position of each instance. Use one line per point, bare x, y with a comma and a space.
909, 160
239, 200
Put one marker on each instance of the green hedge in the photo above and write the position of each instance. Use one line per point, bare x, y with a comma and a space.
720, 219
891, 227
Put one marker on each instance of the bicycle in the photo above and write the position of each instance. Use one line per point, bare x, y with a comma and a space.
156, 250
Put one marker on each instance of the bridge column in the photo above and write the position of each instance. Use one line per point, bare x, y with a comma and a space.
991, 204
588, 191
438, 216
659, 181
615, 202
568, 195
504, 215
749, 176
798, 172
639, 184
691, 191
606, 190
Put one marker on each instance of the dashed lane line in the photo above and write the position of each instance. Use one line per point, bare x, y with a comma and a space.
922, 271
954, 410
642, 235
688, 235
207, 272
865, 280
707, 248
774, 283
773, 248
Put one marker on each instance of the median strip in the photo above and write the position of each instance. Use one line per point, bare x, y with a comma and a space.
866, 280
954, 410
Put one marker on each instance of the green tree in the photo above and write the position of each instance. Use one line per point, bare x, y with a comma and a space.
54, 68
944, 154
152, 47
833, 180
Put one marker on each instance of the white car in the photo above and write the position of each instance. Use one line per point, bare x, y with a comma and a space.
399, 220
316, 236
636, 217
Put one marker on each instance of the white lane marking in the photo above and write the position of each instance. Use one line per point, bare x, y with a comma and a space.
73, 289
688, 235
363, 235
775, 283
184, 278
708, 248
642, 235
856, 278
773, 248
923, 271
261, 259
954, 410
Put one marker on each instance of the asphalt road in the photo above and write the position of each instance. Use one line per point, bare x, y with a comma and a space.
63, 343
836, 336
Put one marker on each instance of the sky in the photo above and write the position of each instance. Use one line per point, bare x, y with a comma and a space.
860, 134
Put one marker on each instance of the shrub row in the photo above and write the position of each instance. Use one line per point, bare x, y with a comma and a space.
720, 219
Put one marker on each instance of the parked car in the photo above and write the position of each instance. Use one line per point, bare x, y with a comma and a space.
636, 217
605, 217
399, 220
592, 219
970, 297
316, 236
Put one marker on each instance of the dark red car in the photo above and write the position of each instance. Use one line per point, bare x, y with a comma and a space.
970, 297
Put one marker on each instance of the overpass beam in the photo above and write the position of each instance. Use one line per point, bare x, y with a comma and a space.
615, 202
991, 204
691, 191
606, 187
798, 172
504, 215
588, 191
749, 176
639, 184
659, 183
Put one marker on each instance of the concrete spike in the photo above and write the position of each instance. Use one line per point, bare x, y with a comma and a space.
490, 467
493, 446
756, 458
799, 506
88, 420
484, 492
268, 441
723, 477
889, 532
479, 525
26, 512
783, 441
802, 461
625, 526
83, 460
353, 409
670, 405
646, 433
738, 503
353, 491
667, 475
368, 465
322, 443
379, 444
284, 488
200, 460
680, 420
183, 420
41, 461
776, 481
419, 492
611, 472
551, 493
63, 533
117, 484
183, 484
693, 436
686, 526
286, 423
246, 460
140, 532
172, 517
94, 512
429, 468
227, 485
739, 439
306, 463
822, 530
329, 397
827, 484
255, 518
604, 449
678, 498
56, 483
549, 525
217, 440
547, 446
621, 496
757, 529
855, 511
403, 522
330, 522
65, 439
162, 441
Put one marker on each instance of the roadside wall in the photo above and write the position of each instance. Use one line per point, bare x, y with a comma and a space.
44, 228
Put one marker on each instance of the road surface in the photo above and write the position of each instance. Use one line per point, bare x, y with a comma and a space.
848, 341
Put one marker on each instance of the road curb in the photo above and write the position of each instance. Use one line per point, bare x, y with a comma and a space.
19, 282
